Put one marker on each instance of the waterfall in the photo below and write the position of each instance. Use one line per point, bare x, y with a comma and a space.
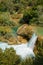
24, 50
32, 41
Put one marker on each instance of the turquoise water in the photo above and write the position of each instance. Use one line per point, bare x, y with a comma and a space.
14, 30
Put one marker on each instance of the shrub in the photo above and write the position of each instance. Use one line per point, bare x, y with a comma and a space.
30, 16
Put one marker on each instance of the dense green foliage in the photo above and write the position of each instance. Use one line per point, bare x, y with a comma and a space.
32, 11
11, 5
9, 57
30, 16
4, 19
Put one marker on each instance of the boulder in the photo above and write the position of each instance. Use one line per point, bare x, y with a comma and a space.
25, 31
21, 39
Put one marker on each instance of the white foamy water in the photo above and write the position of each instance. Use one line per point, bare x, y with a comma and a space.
24, 50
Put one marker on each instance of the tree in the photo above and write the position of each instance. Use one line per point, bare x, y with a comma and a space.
9, 57
30, 16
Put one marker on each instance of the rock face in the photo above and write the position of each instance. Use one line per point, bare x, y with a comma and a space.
40, 40
39, 43
25, 31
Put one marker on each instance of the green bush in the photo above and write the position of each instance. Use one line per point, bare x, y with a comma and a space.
5, 19
9, 57
30, 16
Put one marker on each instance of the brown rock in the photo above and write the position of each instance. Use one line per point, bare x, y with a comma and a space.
12, 40
39, 43
40, 40
25, 30
21, 39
